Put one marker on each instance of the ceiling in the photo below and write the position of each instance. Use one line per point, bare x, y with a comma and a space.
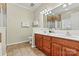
69, 8
29, 6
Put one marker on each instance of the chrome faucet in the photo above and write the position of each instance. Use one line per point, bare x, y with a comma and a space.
51, 31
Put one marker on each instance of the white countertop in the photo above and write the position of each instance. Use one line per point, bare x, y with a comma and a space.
71, 37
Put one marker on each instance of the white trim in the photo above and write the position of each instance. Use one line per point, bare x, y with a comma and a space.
16, 43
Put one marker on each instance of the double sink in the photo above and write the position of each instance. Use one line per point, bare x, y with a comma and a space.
67, 35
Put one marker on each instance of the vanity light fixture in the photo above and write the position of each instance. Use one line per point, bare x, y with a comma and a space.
45, 10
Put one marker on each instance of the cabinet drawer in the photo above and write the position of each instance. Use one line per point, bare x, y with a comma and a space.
38, 41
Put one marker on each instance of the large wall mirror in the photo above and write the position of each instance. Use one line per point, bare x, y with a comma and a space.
65, 17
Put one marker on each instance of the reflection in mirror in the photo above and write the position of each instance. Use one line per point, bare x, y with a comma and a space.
53, 20
65, 17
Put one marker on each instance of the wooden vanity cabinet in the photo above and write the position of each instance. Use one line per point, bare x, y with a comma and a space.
55, 46
47, 45
43, 43
38, 41
64, 47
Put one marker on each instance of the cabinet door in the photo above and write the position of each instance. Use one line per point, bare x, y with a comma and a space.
46, 45
69, 52
56, 49
38, 41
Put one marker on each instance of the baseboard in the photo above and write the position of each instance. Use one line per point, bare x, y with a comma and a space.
16, 43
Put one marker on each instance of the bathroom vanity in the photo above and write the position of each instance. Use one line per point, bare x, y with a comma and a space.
63, 20
57, 45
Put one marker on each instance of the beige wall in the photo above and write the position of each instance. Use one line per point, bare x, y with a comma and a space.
16, 15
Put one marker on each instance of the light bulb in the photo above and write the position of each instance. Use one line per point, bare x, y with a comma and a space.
45, 14
41, 13
45, 10
64, 5
50, 12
